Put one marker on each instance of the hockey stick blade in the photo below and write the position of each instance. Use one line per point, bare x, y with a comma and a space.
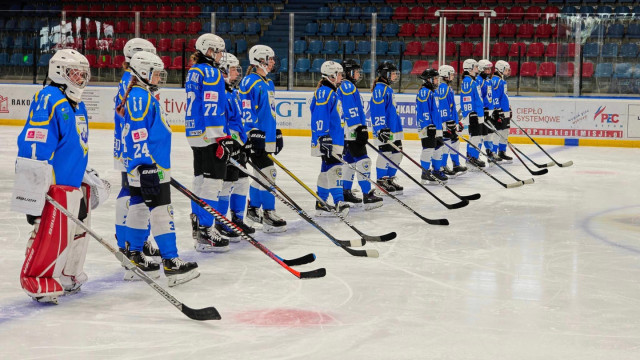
470, 197
209, 313
538, 172
309, 258
313, 274
359, 242
381, 238
362, 253
528, 181
567, 164
514, 185
434, 221
457, 205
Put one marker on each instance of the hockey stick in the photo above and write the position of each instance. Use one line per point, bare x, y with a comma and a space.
341, 243
512, 147
428, 221
385, 237
566, 164
209, 313
283, 262
457, 205
506, 186
528, 181
549, 164
475, 196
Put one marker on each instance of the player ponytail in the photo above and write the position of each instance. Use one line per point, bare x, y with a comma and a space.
120, 108
250, 69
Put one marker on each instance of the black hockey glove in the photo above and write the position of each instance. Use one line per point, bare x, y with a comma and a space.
460, 126
256, 140
450, 129
279, 142
439, 141
149, 180
384, 135
226, 147
362, 135
326, 145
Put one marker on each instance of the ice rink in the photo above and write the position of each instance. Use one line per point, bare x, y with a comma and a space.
544, 271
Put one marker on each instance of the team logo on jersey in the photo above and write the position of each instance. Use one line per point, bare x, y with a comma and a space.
466, 98
139, 135
211, 96
37, 135
246, 104
83, 132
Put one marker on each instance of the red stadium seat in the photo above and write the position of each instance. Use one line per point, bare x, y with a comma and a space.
450, 49
177, 63
104, 61
455, 65
91, 43
417, 13
413, 48
118, 45
514, 67
508, 30
474, 31
194, 27
193, 11
500, 50
494, 30
466, 16
401, 13
532, 13
419, 66
501, 12
166, 60
431, 11
435, 65
466, 49
91, 58
526, 31
122, 27
516, 13
408, 29
543, 31
191, 47
164, 45
477, 50
551, 12
424, 30
456, 31
552, 50
535, 50
430, 49
150, 27
587, 69
179, 11
177, 45
547, 69
165, 11
513, 49
118, 61
164, 28
566, 69
528, 69
150, 11
179, 27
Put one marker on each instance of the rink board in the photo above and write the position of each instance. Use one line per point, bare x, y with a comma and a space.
549, 120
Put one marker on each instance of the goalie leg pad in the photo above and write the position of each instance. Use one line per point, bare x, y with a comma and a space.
47, 256
73, 275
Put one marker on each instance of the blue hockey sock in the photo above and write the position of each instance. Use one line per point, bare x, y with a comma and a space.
347, 184
223, 205
391, 171
455, 158
336, 194
237, 204
425, 165
488, 144
268, 200
136, 238
445, 158
323, 193
503, 147
472, 152
121, 235
205, 218
255, 199
380, 173
365, 186
167, 245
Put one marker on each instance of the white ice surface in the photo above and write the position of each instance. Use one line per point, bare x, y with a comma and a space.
545, 271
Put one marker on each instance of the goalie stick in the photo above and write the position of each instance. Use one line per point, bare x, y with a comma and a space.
209, 313
317, 273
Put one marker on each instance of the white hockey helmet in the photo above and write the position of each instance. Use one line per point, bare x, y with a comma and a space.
469, 65
502, 66
331, 69
484, 64
445, 71
227, 62
137, 44
209, 41
259, 55
70, 68
144, 65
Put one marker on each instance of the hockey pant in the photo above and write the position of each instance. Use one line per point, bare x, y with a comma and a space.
209, 172
383, 167
55, 259
356, 154
476, 132
431, 152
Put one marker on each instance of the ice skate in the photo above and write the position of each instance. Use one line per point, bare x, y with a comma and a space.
179, 271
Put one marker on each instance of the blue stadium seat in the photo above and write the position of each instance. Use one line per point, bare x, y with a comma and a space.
302, 65
10, 25
598, 31
315, 47
227, 43
241, 46
629, 50
323, 13
299, 47
237, 28
623, 70
310, 29
342, 29
20, 42
381, 47
367, 11
633, 31
396, 48
636, 9
348, 47
16, 59
407, 66
24, 25
622, 10
603, 70
251, 12
237, 12
615, 31
7, 42
338, 13
2, 21
222, 12
390, 29
206, 11
366, 66
358, 29
590, 50
385, 13
609, 50
253, 28
316, 65
363, 48
378, 30
44, 60
567, 10
331, 47
354, 13
284, 65
604, 10
326, 29
4, 59
221, 27
266, 12
586, 10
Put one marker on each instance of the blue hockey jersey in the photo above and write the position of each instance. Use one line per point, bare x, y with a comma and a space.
259, 107
500, 97
58, 133
383, 111
206, 104
353, 110
235, 126
447, 103
326, 116
485, 88
427, 110
471, 97
119, 121
147, 134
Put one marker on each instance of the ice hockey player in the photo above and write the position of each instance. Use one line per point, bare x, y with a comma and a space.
472, 110
122, 201
502, 112
451, 126
387, 126
430, 128
236, 183
148, 159
205, 122
356, 137
327, 137
52, 159
257, 94
484, 80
